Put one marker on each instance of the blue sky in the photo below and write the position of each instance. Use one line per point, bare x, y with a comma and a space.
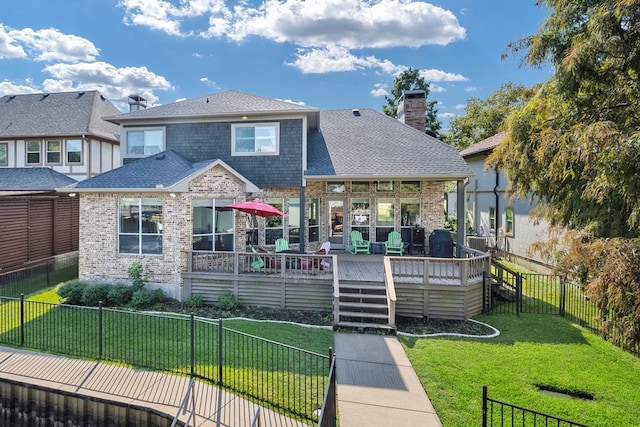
323, 53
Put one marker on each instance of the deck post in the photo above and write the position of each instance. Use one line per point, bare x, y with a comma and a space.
461, 215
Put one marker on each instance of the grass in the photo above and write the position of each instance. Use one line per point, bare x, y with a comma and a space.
163, 342
531, 350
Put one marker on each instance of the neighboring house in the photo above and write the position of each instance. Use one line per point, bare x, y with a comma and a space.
48, 141
331, 171
490, 213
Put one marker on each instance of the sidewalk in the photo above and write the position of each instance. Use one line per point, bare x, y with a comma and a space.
377, 385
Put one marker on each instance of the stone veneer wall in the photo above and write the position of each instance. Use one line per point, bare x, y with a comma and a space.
99, 259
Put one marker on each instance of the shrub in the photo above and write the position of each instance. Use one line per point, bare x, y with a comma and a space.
94, 293
228, 302
136, 274
71, 292
195, 301
145, 298
119, 295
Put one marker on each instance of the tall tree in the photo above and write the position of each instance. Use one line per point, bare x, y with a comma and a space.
486, 117
410, 79
576, 145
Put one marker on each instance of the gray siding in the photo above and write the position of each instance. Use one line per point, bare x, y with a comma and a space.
206, 141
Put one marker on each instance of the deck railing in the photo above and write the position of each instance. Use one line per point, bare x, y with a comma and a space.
285, 264
452, 271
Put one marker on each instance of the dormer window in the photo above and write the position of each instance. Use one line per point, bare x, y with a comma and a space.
255, 139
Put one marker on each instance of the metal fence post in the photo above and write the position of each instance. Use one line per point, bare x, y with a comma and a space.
193, 344
99, 330
484, 406
220, 352
21, 319
563, 296
518, 293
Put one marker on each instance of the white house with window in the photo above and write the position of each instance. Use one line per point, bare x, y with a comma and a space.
504, 222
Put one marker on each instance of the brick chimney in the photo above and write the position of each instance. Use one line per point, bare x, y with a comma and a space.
412, 107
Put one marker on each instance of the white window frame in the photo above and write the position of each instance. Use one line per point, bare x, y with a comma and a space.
47, 151
67, 152
236, 126
26, 148
129, 130
509, 225
4, 147
142, 235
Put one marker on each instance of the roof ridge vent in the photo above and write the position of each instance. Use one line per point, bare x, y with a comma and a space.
356, 112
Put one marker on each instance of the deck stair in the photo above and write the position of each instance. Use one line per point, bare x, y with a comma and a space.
363, 305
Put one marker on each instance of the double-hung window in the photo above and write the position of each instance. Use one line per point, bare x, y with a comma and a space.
54, 152
33, 152
74, 151
144, 142
508, 223
140, 226
213, 225
255, 139
3, 154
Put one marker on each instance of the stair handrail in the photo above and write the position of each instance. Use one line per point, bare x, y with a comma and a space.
336, 290
183, 405
391, 291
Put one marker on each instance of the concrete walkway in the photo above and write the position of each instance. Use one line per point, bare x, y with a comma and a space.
377, 385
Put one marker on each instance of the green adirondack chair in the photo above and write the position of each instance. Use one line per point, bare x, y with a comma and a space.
358, 244
394, 244
282, 245
259, 262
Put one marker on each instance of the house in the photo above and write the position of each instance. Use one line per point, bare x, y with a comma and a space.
331, 171
502, 222
47, 141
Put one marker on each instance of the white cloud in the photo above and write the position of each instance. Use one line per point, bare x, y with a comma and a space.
434, 88
306, 23
9, 88
432, 75
336, 58
379, 89
447, 115
471, 89
8, 45
113, 82
51, 45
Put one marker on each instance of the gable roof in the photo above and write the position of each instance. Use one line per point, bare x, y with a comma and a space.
162, 172
32, 180
364, 144
226, 104
484, 146
57, 114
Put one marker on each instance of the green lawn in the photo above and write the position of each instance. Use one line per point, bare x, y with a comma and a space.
257, 368
531, 350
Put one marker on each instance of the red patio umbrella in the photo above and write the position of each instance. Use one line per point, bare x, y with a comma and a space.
257, 207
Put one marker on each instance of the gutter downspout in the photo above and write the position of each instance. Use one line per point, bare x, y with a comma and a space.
461, 215
497, 199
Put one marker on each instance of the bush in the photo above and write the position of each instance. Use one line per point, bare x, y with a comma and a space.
137, 278
145, 298
71, 292
119, 295
228, 302
94, 293
195, 301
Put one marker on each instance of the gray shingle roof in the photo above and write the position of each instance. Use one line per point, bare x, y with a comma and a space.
483, 146
370, 144
165, 169
40, 179
57, 114
226, 103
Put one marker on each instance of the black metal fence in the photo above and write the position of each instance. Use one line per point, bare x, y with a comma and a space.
515, 292
39, 275
288, 379
496, 413
328, 415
